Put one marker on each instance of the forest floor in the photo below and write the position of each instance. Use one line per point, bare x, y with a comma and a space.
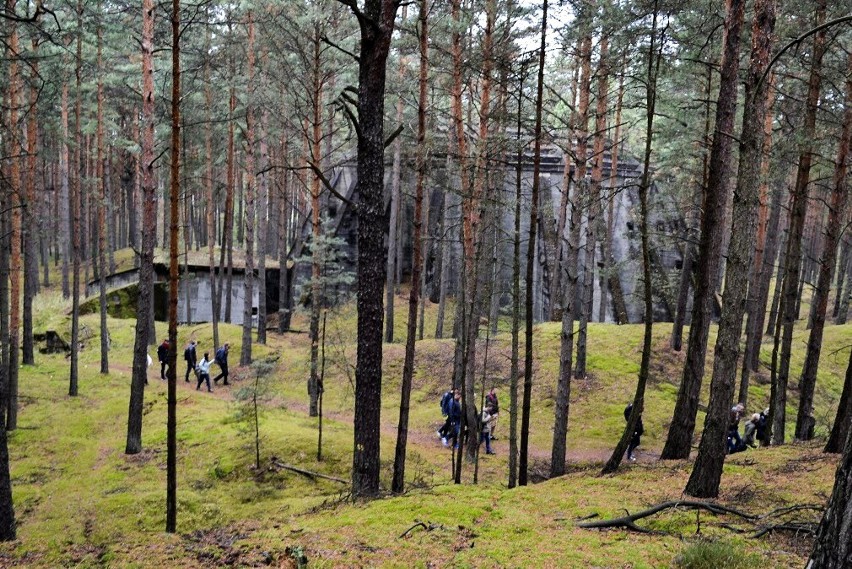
81, 502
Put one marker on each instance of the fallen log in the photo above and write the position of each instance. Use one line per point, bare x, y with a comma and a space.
629, 521
310, 474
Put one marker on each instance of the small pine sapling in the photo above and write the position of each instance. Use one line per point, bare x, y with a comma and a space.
251, 400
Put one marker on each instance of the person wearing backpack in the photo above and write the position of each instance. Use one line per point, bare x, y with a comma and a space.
455, 418
636, 440
222, 361
190, 358
163, 356
446, 402
491, 400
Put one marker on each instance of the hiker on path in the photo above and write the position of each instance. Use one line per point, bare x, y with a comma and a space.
163, 356
222, 361
491, 400
735, 442
751, 430
204, 372
487, 420
762, 430
446, 402
636, 440
455, 417
190, 357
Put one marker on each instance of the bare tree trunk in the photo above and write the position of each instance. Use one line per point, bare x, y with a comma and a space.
836, 215
843, 418
31, 214
208, 186
398, 483
798, 213
7, 509
145, 302
843, 310
679, 441
174, 219
610, 272
102, 205
377, 24
393, 228
832, 542
248, 282
594, 209
14, 206
693, 222
446, 255
654, 57
262, 229
65, 199
531, 244
707, 471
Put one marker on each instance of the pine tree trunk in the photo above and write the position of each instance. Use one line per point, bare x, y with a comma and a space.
102, 205
843, 309
679, 441
707, 471
798, 213
446, 256
228, 223
693, 222
837, 214
832, 542
523, 473
262, 229
31, 215
594, 210
610, 271
174, 224
654, 57
7, 510
215, 299
843, 418
393, 226
377, 24
65, 198
248, 282
398, 483
14, 205
145, 303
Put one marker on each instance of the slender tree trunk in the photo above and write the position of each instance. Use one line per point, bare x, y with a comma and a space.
707, 471
679, 441
594, 209
836, 215
376, 25
145, 303
208, 186
612, 280
693, 221
398, 484
798, 213
393, 228
317, 261
102, 205
31, 215
65, 199
174, 225
654, 57
248, 300
516, 290
531, 244
262, 221
228, 223
843, 310
840, 428
14, 206
446, 255
7, 509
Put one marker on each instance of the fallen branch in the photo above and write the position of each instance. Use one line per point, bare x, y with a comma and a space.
308, 473
795, 527
629, 520
418, 524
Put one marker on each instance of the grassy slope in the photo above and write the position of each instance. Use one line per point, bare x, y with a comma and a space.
81, 502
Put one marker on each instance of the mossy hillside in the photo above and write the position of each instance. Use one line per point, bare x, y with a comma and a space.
82, 502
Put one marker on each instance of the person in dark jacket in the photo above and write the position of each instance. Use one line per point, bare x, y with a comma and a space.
636, 440
163, 356
222, 361
762, 427
455, 417
190, 358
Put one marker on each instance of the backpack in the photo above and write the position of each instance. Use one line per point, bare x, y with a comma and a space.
446, 401
187, 354
220, 356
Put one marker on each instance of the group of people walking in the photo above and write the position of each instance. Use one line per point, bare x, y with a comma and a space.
451, 409
755, 429
201, 369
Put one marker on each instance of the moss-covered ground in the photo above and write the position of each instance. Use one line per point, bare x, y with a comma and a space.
81, 502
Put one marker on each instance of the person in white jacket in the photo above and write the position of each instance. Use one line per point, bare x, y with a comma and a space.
485, 435
204, 372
